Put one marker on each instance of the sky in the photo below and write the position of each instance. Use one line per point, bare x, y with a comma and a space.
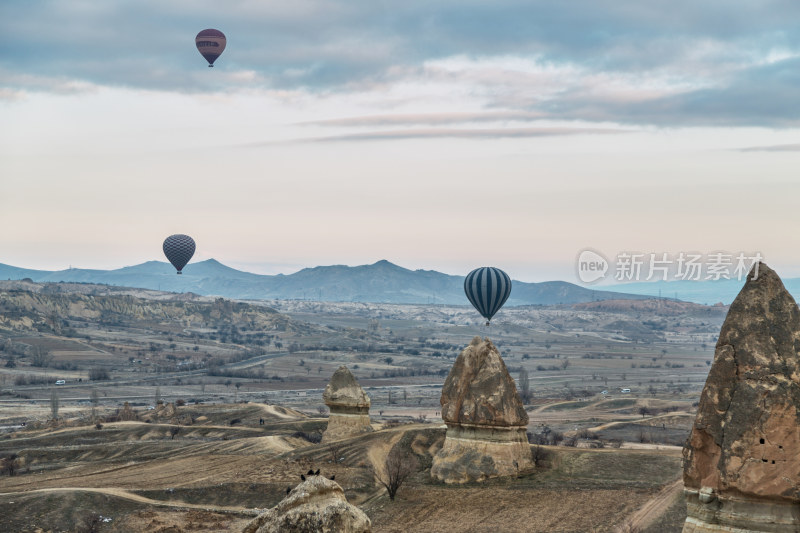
438, 135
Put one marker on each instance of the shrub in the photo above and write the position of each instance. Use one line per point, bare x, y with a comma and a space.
9, 463
314, 438
97, 374
540, 455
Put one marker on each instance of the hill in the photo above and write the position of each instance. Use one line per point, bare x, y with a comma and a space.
381, 282
706, 292
51, 308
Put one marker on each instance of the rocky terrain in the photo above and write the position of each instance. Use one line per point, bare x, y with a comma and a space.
315, 506
348, 404
486, 420
204, 426
26, 306
742, 461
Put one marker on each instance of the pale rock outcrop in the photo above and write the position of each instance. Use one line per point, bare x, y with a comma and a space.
349, 406
742, 460
486, 420
317, 505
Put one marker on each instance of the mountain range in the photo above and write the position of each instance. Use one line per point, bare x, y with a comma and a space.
381, 282
702, 292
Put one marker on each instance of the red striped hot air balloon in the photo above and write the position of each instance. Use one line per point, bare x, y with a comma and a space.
210, 43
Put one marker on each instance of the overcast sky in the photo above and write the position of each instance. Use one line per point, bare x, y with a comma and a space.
436, 134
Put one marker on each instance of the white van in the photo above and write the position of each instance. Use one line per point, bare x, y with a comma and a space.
625, 390
61, 382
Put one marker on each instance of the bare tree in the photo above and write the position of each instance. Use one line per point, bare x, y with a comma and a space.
89, 523
41, 357
95, 399
54, 403
397, 468
174, 430
9, 464
524, 385
335, 448
98, 374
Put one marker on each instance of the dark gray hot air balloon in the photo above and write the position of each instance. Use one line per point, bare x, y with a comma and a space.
210, 43
487, 289
179, 249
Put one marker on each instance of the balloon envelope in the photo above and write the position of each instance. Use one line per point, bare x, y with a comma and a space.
488, 289
210, 43
179, 249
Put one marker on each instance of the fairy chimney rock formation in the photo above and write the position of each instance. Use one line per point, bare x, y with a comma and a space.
316, 505
742, 460
349, 406
486, 420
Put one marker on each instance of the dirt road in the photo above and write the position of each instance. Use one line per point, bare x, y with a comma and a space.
121, 493
654, 507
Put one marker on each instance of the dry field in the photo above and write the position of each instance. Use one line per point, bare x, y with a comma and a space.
209, 464
137, 476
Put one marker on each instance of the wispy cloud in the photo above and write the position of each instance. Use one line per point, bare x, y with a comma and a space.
429, 119
662, 62
443, 133
775, 148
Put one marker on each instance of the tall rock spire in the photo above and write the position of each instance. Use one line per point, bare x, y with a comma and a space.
486, 420
349, 406
742, 460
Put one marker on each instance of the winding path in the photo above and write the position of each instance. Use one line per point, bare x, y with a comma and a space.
653, 508
121, 493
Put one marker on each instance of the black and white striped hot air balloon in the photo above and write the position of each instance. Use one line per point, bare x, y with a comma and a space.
179, 249
487, 289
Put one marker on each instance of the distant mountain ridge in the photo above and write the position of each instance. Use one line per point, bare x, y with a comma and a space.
380, 282
706, 292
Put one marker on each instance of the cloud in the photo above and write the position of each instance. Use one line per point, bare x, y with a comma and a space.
775, 148
429, 119
454, 133
677, 62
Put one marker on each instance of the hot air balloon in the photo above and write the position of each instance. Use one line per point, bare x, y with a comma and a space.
179, 249
487, 289
210, 43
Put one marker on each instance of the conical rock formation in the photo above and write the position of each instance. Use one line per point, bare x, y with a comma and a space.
317, 505
486, 420
742, 460
349, 406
